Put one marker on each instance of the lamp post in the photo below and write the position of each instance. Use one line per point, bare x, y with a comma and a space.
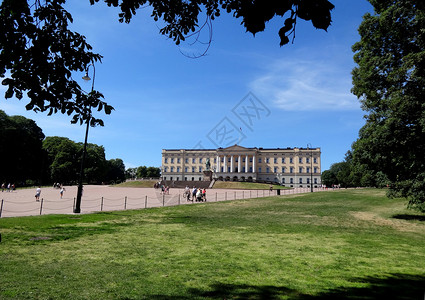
77, 208
311, 167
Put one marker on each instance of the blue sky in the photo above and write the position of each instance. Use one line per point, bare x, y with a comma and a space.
246, 90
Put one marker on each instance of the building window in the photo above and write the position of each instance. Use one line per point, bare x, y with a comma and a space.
165, 178
178, 160
193, 160
291, 161
243, 169
283, 169
200, 178
250, 169
308, 180
165, 160
172, 169
275, 170
200, 160
250, 159
243, 159
259, 159
215, 160
315, 160
315, 169
185, 179
291, 180
193, 169
300, 160
222, 159
222, 169
301, 180
267, 170
283, 160
228, 169
259, 170
275, 160
308, 170
172, 160
291, 170
186, 160
307, 160
178, 169
200, 169
315, 180
166, 169
283, 180
267, 160
186, 169
301, 169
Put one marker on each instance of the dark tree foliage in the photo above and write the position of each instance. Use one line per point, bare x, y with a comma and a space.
95, 165
389, 80
62, 159
153, 172
21, 157
181, 16
38, 52
116, 170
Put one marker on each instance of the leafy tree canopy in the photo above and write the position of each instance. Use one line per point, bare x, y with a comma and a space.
39, 53
20, 149
389, 80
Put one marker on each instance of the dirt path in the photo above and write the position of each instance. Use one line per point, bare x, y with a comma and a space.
106, 198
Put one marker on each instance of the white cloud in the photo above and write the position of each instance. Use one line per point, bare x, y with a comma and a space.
307, 85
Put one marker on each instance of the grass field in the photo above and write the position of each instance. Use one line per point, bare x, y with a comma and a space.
217, 185
348, 244
244, 185
137, 184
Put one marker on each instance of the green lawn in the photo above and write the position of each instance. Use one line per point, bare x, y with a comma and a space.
347, 244
245, 185
137, 184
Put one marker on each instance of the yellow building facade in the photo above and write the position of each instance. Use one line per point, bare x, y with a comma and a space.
292, 167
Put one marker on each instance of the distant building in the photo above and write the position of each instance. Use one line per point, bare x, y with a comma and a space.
292, 167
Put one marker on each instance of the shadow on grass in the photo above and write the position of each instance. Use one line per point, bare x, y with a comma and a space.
395, 286
410, 217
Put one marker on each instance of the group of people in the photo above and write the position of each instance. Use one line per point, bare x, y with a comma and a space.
197, 194
60, 187
9, 188
164, 189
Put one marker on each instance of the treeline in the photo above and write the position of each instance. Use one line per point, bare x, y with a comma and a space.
29, 158
143, 172
351, 173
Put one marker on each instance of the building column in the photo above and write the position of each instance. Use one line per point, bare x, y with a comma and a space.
218, 164
225, 164
239, 164
246, 164
253, 165
231, 164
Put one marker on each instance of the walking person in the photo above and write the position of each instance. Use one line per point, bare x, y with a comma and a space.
37, 194
62, 190
204, 194
194, 190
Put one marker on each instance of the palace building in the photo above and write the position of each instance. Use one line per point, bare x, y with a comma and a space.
292, 167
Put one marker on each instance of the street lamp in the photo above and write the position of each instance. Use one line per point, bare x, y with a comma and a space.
311, 167
77, 208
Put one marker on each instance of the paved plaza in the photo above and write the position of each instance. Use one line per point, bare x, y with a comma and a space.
95, 198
